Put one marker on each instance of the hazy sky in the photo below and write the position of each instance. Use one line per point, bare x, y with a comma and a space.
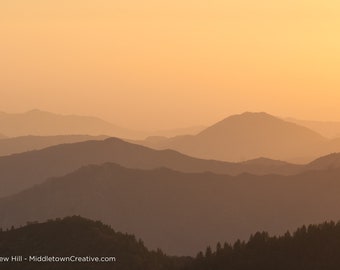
158, 64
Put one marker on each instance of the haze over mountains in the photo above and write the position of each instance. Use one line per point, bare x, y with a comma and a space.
22, 144
36, 122
167, 197
237, 138
250, 136
178, 131
144, 116
329, 129
20, 171
181, 213
42, 123
23, 170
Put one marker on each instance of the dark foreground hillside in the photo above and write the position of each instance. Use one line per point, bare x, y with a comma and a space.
316, 247
76, 236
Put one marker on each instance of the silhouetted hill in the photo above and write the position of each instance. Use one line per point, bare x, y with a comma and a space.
2, 136
249, 136
28, 143
312, 247
20, 171
79, 237
181, 213
42, 123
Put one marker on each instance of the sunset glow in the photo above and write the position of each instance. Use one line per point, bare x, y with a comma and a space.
192, 62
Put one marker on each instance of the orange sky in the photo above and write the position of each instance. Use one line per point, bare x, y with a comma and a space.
161, 64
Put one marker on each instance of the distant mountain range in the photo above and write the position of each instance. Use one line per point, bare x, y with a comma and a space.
329, 129
163, 194
250, 136
42, 123
181, 213
22, 144
236, 138
2, 136
20, 171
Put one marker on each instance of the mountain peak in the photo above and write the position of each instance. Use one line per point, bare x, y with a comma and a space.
249, 121
248, 113
251, 135
255, 120
252, 116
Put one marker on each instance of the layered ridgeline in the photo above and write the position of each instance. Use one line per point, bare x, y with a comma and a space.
22, 144
42, 123
20, 171
249, 136
181, 213
236, 138
79, 237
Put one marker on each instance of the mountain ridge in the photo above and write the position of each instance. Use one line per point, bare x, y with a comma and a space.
168, 209
43, 123
17, 145
20, 171
16, 171
249, 136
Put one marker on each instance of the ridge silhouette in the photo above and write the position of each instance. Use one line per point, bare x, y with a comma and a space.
181, 213
23, 170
